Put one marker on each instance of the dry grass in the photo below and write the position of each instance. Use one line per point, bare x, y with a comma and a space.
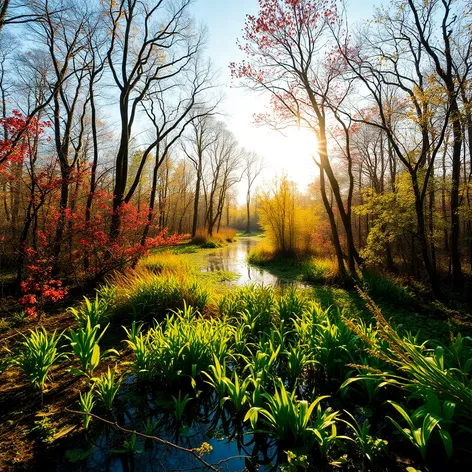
164, 263
221, 238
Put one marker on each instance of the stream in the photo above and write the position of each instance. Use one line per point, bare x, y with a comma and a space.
233, 258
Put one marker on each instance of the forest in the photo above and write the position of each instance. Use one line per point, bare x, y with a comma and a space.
178, 293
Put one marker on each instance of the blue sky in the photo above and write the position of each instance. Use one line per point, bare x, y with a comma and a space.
224, 20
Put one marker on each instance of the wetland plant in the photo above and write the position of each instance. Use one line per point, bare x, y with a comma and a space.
39, 352
84, 342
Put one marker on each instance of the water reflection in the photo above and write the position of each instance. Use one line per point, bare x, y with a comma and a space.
234, 447
232, 258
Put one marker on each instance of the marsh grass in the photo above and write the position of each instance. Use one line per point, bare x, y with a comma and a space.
39, 352
164, 263
320, 271
385, 287
218, 239
143, 294
182, 346
97, 310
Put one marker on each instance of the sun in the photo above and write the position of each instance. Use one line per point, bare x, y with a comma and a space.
303, 142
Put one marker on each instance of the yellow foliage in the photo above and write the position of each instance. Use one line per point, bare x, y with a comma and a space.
287, 218
223, 236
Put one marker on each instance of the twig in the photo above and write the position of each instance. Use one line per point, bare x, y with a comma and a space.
146, 436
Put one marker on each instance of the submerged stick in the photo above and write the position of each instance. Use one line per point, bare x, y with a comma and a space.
147, 436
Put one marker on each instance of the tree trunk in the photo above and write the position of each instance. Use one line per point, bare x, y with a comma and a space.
332, 222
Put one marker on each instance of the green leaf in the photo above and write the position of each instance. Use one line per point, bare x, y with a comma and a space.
447, 441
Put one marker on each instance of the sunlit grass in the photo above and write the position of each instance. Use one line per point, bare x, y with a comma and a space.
143, 294
268, 356
320, 270
217, 239
164, 263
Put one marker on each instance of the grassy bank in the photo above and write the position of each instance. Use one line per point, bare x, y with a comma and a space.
217, 239
405, 302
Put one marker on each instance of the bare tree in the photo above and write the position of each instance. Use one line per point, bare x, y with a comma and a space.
253, 166
62, 31
195, 147
224, 161
171, 106
150, 42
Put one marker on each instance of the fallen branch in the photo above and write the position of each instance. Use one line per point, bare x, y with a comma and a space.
147, 436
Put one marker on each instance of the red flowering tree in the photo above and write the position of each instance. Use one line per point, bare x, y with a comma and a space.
291, 54
18, 130
39, 287
87, 250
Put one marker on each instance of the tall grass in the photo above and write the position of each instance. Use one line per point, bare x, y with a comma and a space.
294, 422
420, 370
262, 254
221, 238
144, 294
320, 270
184, 345
384, 287
84, 342
97, 311
253, 306
165, 263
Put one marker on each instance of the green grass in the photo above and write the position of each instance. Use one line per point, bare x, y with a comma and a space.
143, 294
399, 303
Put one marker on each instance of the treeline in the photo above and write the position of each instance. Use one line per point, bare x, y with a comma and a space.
390, 105
110, 140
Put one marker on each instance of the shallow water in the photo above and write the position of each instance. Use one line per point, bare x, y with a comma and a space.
234, 448
233, 258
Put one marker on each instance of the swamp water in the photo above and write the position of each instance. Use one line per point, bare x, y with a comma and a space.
204, 421
233, 448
